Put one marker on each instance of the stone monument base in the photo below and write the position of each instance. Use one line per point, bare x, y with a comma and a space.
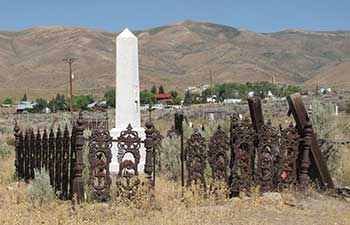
114, 165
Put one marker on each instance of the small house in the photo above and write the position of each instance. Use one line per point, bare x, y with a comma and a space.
166, 99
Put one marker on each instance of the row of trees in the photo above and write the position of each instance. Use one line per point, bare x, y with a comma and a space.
146, 96
221, 91
239, 91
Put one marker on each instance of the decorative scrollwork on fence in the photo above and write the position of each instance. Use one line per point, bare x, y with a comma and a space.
289, 150
267, 138
195, 156
129, 142
128, 182
242, 170
217, 155
99, 158
157, 138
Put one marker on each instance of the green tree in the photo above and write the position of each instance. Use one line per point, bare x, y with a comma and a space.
177, 100
174, 94
24, 98
290, 90
58, 103
8, 101
154, 90
161, 90
147, 97
41, 104
110, 97
188, 98
81, 102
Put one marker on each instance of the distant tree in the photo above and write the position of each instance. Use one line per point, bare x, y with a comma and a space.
41, 104
161, 90
110, 97
188, 98
154, 90
147, 97
174, 94
58, 103
290, 90
81, 102
177, 100
8, 101
24, 98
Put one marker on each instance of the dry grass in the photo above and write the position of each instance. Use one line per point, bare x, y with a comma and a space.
169, 207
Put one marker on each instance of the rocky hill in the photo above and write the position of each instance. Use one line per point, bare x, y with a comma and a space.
175, 56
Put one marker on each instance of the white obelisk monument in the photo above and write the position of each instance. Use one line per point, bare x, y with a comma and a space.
127, 94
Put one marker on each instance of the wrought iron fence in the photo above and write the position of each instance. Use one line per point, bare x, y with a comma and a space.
50, 151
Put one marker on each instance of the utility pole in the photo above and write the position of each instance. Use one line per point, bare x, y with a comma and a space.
211, 80
70, 61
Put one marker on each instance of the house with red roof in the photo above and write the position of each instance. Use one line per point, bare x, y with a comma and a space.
164, 98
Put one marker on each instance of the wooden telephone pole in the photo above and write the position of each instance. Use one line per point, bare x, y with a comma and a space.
70, 61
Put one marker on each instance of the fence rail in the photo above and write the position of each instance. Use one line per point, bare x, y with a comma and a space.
52, 151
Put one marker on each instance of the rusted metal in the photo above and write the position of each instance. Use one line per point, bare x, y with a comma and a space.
18, 151
149, 145
218, 149
195, 157
32, 154
45, 148
157, 161
178, 127
127, 177
53, 154
52, 158
38, 151
100, 157
289, 149
267, 143
72, 160
58, 161
129, 142
65, 163
78, 186
242, 170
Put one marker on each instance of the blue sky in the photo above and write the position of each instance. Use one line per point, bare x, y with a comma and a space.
259, 15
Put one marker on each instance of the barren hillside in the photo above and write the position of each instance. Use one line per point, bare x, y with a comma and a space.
176, 56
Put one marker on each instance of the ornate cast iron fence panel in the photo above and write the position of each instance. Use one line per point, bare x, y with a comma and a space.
289, 150
195, 157
53, 154
127, 177
157, 138
65, 164
129, 142
267, 142
99, 158
242, 169
218, 148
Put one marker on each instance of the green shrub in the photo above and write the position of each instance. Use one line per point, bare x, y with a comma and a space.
5, 151
40, 190
324, 120
8, 101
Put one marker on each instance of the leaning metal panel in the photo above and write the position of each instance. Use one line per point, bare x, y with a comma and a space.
217, 155
289, 150
267, 138
242, 170
100, 157
195, 157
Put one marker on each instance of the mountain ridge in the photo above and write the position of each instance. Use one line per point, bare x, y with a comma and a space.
176, 56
